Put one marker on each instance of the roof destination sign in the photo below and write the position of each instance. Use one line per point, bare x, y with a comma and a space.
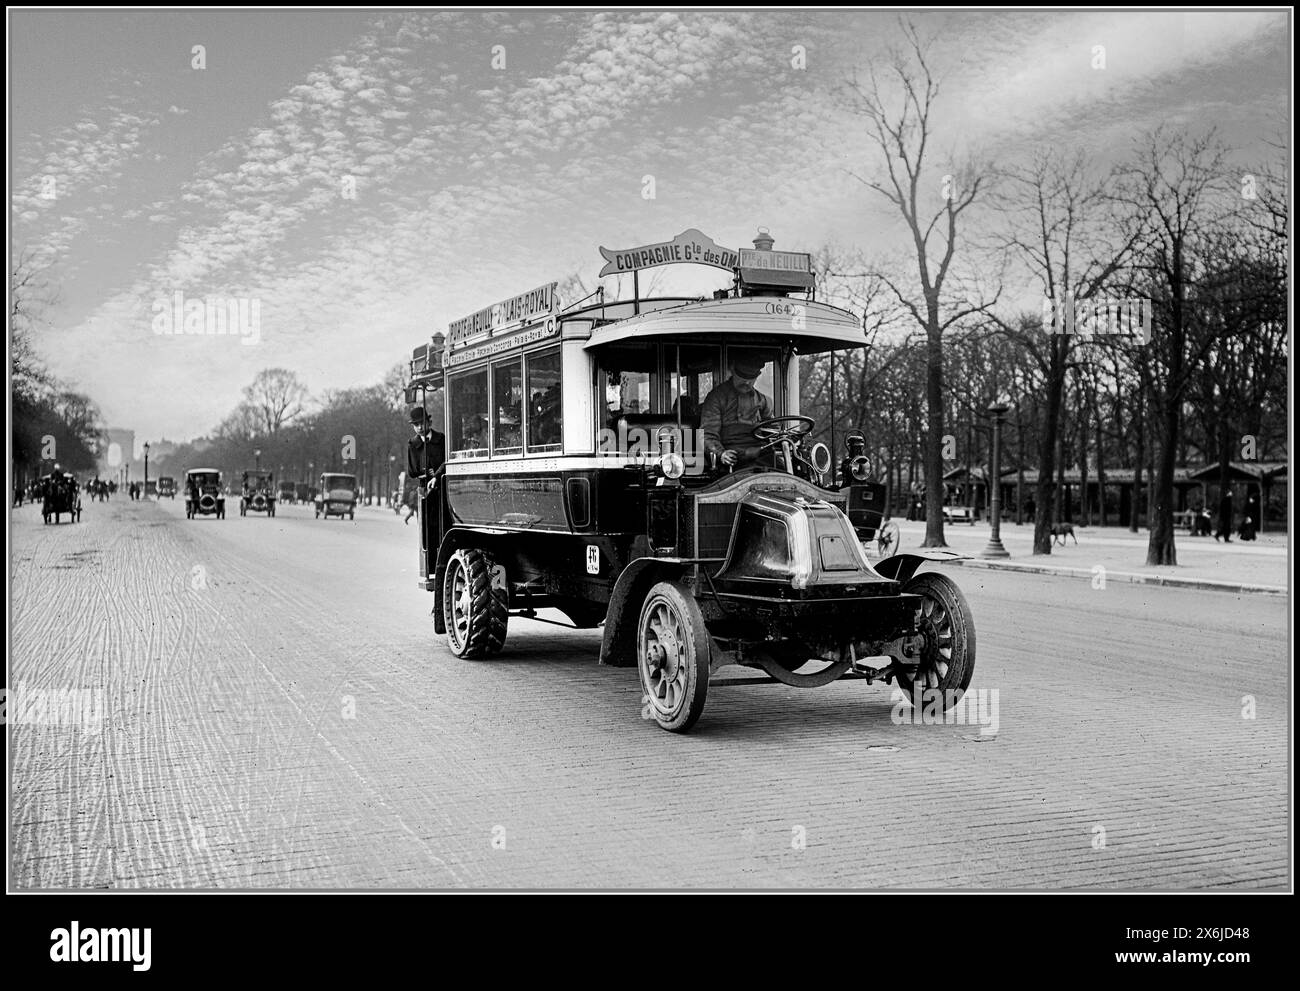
688, 247
776, 261
509, 315
762, 268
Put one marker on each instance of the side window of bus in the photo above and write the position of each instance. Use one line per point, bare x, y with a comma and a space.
507, 407
545, 409
698, 366
628, 375
467, 400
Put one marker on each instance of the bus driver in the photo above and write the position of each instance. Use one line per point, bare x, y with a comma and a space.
732, 410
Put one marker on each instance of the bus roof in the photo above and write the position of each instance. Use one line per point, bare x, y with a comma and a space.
810, 327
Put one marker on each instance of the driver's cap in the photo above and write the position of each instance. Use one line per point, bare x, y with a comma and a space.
747, 366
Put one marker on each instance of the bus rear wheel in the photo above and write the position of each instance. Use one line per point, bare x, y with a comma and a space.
475, 612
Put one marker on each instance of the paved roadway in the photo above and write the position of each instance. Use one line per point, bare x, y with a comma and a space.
277, 712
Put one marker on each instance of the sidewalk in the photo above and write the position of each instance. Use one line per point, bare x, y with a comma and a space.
1256, 566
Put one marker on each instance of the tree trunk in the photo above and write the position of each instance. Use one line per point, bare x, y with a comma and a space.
1135, 508
934, 433
1085, 507
1062, 493
1020, 470
1044, 514
1101, 473
1160, 547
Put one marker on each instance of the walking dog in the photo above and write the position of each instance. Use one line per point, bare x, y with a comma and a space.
1061, 531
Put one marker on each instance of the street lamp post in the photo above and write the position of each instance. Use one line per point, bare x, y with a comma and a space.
388, 478
257, 459
994, 548
146, 469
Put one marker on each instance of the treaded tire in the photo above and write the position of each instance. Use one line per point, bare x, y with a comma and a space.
948, 658
475, 614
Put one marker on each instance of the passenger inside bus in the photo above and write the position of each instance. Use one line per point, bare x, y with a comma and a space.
545, 406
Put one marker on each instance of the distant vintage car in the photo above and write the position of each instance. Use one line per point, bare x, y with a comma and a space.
60, 495
258, 493
287, 492
167, 487
302, 492
337, 496
204, 495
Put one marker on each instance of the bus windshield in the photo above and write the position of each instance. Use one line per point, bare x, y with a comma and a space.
672, 381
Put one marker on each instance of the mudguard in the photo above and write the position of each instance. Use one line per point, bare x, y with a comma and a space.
901, 567
618, 645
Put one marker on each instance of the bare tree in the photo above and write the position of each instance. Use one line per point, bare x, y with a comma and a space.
1060, 227
899, 125
242, 425
1169, 187
276, 396
31, 294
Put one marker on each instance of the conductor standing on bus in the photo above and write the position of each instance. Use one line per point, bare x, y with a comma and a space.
426, 453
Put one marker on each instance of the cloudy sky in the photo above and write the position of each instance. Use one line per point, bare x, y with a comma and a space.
367, 177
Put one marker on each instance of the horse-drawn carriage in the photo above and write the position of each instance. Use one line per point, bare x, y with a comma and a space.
61, 494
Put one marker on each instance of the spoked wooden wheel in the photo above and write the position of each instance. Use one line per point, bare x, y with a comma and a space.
948, 633
672, 657
887, 538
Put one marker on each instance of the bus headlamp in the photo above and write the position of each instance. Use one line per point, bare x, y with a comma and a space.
672, 465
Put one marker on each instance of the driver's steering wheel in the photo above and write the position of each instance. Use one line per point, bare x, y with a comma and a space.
778, 429
784, 432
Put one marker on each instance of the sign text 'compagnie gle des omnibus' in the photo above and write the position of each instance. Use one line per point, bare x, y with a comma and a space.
688, 247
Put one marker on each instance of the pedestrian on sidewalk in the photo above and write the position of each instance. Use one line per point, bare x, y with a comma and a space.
1250, 521
1225, 518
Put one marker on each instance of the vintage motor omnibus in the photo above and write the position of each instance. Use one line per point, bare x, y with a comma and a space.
586, 473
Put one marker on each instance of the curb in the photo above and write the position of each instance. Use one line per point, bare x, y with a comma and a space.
1135, 577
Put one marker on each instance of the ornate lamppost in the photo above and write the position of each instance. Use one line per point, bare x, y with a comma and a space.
994, 548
